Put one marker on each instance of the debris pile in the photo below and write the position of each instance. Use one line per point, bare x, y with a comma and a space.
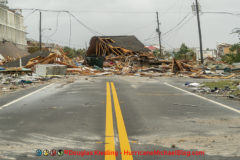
47, 56
121, 55
13, 82
126, 55
52, 58
223, 88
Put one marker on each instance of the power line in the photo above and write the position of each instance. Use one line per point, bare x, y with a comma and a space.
177, 25
226, 13
141, 28
57, 24
150, 37
77, 19
123, 12
27, 16
171, 47
84, 25
43, 10
90, 11
183, 24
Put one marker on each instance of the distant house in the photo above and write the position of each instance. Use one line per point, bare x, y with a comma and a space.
115, 45
152, 48
209, 53
223, 49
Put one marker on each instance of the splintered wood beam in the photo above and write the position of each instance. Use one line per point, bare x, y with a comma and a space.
103, 41
31, 63
107, 40
103, 49
47, 61
100, 49
125, 50
114, 51
109, 47
117, 49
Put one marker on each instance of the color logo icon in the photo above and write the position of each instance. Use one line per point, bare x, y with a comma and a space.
46, 152
38, 152
60, 152
53, 152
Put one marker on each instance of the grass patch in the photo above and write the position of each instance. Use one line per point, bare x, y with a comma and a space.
222, 84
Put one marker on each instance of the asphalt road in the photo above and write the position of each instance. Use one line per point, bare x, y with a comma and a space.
119, 114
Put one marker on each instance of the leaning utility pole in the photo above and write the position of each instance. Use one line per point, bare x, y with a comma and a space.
199, 31
159, 35
40, 31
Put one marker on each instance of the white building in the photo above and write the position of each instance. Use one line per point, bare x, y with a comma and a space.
11, 26
211, 53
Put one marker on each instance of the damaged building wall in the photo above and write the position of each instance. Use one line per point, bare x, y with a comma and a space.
10, 52
12, 27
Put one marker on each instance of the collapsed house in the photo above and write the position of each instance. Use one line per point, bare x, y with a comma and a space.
128, 54
9, 52
117, 45
119, 51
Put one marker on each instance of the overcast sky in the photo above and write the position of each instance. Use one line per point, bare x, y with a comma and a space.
132, 17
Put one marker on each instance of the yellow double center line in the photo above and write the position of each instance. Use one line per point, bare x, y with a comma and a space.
109, 137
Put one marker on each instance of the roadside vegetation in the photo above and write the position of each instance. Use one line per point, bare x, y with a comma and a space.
231, 86
233, 56
185, 53
72, 52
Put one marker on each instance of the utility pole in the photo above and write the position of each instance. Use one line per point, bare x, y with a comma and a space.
86, 46
199, 31
40, 31
159, 35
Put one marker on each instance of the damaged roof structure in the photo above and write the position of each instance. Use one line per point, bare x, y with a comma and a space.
117, 45
120, 50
